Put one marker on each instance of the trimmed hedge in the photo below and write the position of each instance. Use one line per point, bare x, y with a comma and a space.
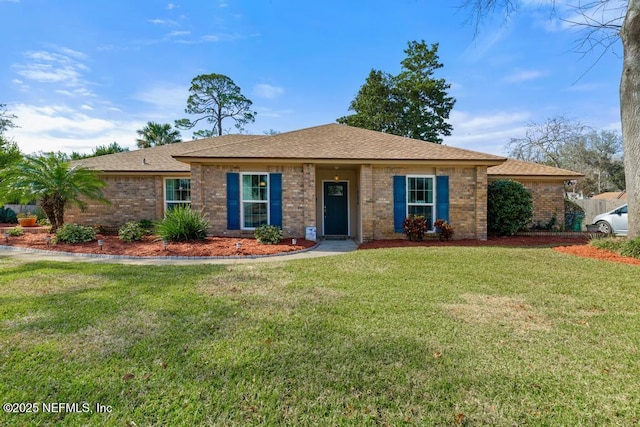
509, 207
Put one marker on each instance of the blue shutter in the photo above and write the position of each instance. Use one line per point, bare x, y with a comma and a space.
275, 199
399, 202
442, 197
233, 201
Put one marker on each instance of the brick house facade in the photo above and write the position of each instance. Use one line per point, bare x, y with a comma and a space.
546, 184
341, 180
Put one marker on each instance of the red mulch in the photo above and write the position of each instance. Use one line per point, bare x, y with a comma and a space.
587, 251
152, 246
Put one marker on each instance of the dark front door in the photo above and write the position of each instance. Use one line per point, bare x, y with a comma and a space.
336, 209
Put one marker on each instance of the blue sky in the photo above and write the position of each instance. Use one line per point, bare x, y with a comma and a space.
79, 74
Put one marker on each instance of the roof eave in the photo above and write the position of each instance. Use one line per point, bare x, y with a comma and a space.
301, 160
520, 177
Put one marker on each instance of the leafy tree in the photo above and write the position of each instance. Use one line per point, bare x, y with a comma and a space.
6, 119
9, 151
215, 97
100, 150
412, 104
619, 19
53, 182
112, 148
597, 155
154, 134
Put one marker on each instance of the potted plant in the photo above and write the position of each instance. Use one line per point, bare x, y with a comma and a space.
27, 219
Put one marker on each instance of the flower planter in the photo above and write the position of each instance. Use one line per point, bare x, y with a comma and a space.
27, 222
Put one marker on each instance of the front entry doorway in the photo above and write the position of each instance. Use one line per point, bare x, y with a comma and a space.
336, 208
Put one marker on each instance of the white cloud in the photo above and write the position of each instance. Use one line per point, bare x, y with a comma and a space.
164, 96
59, 127
487, 133
62, 67
523, 76
267, 91
178, 33
171, 6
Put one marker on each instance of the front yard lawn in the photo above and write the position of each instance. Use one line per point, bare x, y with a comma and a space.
425, 336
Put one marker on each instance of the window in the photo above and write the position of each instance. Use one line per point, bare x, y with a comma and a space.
177, 192
420, 197
255, 200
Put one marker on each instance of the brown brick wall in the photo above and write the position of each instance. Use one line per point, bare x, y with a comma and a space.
548, 199
467, 200
209, 193
132, 199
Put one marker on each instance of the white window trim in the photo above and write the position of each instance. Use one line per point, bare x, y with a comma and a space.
242, 200
164, 191
433, 203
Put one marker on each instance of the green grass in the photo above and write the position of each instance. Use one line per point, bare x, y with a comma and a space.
424, 336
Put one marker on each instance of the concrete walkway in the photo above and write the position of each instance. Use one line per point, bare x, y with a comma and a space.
324, 248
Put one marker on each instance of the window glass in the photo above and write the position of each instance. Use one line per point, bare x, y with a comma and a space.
177, 192
420, 195
255, 200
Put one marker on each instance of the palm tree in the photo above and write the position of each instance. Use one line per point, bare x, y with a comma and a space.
157, 134
53, 182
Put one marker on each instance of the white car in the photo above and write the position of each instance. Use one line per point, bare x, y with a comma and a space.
614, 222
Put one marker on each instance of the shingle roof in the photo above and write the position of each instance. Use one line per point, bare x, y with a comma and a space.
518, 168
611, 195
340, 142
157, 159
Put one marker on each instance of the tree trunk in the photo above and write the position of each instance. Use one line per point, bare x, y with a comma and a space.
630, 112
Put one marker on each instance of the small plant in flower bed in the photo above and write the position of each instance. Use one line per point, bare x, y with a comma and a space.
444, 229
414, 227
132, 231
268, 234
74, 233
183, 224
15, 231
26, 215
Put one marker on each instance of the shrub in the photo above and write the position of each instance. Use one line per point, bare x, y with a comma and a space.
414, 227
613, 244
74, 233
182, 224
132, 231
509, 207
16, 231
147, 224
8, 216
444, 229
631, 248
268, 234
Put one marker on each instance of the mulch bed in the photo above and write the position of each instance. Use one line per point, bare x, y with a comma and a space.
152, 246
226, 246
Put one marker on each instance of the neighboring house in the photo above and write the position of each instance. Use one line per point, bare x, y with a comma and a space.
546, 184
344, 181
620, 196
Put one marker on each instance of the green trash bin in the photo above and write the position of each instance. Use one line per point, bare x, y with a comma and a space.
576, 225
